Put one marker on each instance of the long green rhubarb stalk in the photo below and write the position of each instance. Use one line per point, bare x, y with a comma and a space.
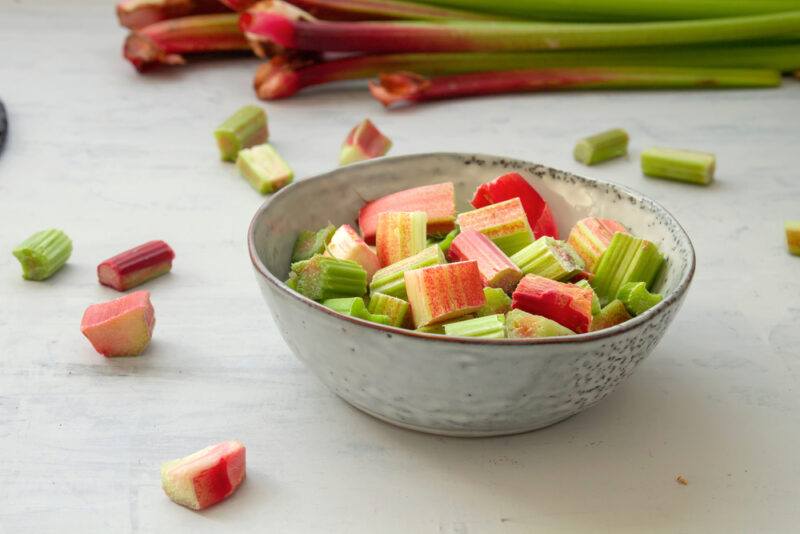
408, 87
475, 36
282, 76
164, 42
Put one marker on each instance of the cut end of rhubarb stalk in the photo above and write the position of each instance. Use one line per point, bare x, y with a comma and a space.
523, 325
43, 254
346, 244
549, 258
636, 298
444, 292
566, 304
513, 185
364, 142
244, 129
590, 238
602, 146
793, 237
399, 235
392, 307
681, 165
120, 327
136, 266
144, 53
276, 79
310, 243
612, 314
264, 168
206, 477
505, 223
322, 278
397, 87
496, 269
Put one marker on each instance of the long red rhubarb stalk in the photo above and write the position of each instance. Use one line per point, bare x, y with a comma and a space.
282, 77
395, 88
135, 14
475, 36
164, 42
384, 10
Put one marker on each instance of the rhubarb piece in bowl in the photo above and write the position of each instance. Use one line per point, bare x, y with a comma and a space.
455, 384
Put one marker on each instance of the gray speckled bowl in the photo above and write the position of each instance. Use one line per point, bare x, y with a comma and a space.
457, 386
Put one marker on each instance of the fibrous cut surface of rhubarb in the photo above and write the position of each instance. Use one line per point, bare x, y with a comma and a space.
43, 254
505, 223
264, 168
438, 201
364, 142
245, 128
523, 325
444, 292
496, 269
550, 258
206, 477
120, 327
566, 304
346, 244
612, 314
591, 236
136, 266
310, 243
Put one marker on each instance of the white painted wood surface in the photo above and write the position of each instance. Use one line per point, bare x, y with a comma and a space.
116, 159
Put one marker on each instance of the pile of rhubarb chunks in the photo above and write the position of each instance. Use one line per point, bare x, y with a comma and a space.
498, 271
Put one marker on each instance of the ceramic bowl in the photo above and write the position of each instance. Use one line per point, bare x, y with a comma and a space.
461, 386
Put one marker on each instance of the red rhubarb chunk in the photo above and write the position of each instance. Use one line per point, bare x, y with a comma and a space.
566, 304
513, 185
120, 327
136, 266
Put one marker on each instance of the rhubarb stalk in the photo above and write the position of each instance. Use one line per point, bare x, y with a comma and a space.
135, 14
383, 10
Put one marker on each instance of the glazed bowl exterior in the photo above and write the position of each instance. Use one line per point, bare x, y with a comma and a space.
460, 386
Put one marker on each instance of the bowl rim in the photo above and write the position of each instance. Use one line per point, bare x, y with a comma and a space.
621, 328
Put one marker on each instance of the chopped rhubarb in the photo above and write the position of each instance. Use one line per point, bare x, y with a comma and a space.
355, 307
322, 278
445, 243
566, 304
135, 14
364, 142
444, 292
489, 327
438, 328
612, 314
513, 185
793, 237
505, 223
590, 238
206, 477
43, 254
681, 165
550, 258
595, 300
636, 298
136, 266
523, 325
495, 267
627, 259
394, 308
497, 301
120, 327
601, 147
391, 280
245, 128
437, 201
310, 243
264, 168
399, 235
346, 244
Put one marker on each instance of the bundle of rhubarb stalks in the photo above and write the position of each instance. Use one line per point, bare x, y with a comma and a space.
418, 51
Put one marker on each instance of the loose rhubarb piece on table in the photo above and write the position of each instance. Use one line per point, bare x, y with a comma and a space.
681, 165
120, 327
346, 244
245, 128
364, 142
636, 298
135, 14
497, 301
438, 201
164, 42
310, 243
595, 300
43, 254
136, 266
399, 235
566, 304
354, 307
444, 292
627, 259
264, 168
505, 223
513, 185
523, 325
612, 314
490, 327
322, 278
601, 147
438, 328
394, 308
590, 238
206, 477
391, 280
550, 258
495, 267
793, 237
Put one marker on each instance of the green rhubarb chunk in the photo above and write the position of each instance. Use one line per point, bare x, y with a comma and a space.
627, 259
444, 244
292, 281
438, 328
395, 309
523, 325
681, 165
602, 147
595, 300
549, 258
322, 278
245, 128
310, 243
490, 326
391, 281
354, 307
612, 314
637, 298
497, 301
43, 254
264, 168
